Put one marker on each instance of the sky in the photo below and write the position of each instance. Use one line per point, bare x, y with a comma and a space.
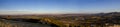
58, 6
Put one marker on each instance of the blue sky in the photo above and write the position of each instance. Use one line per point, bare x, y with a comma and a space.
58, 6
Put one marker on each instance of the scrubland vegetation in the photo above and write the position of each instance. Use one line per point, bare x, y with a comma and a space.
65, 20
10, 23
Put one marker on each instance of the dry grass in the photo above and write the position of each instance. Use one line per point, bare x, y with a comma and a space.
115, 26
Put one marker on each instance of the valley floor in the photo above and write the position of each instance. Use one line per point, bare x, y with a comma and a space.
8, 23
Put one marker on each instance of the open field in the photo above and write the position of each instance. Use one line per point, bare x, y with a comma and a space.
66, 20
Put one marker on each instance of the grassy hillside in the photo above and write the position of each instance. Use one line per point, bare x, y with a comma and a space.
92, 20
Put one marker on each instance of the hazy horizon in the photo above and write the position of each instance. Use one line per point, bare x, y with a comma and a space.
11, 7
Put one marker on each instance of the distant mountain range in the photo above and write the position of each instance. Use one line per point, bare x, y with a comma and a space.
73, 14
